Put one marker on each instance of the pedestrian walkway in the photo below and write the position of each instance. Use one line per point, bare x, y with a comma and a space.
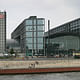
39, 64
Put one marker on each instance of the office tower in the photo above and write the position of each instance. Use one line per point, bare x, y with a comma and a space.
2, 32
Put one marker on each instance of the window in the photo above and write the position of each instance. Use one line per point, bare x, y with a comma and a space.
34, 28
28, 40
39, 22
79, 22
40, 34
35, 40
29, 34
40, 40
40, 46
29, 46
28, 22
34, 34
34, 46
34, 22
40, 28
28, 28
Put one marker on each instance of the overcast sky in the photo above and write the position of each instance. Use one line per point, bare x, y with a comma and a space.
57, 11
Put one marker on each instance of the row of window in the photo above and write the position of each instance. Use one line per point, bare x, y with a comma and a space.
1, 40
30, 46
2, 32
30, 40
31, 34
19, 30
66, 41
34, 28
75, 23
2, 24
34, 22
68, 26
2, 20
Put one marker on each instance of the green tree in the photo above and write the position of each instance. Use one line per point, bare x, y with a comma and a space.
11, 51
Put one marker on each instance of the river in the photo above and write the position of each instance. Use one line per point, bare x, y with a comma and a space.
49, 76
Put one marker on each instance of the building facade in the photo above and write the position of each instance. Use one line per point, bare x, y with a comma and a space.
30, 35
65, 37
12, 44
2, 32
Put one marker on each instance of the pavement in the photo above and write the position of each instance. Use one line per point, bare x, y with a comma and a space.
48, 63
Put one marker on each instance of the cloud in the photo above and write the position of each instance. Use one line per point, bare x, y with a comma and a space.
52, 2
58, 11
75, 4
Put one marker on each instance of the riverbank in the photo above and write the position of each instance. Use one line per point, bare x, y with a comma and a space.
39, 64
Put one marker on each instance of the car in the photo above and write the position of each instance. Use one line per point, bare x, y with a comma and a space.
6, 54
13, 54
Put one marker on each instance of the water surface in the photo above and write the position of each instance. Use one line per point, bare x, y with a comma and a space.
49, 76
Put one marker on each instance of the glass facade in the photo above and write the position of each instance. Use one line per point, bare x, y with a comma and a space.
34, 35
2, 32
67, 42
28, 22
40, 28
30, 35
64, 38
40, 22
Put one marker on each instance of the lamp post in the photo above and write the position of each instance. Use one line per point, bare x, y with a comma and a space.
48, 38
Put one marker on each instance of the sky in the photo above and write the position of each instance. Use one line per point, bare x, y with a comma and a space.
57, 11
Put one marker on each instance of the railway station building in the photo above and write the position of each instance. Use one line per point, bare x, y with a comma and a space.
64, 38
30, 35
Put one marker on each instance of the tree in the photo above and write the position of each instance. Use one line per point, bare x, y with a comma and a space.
11, 51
